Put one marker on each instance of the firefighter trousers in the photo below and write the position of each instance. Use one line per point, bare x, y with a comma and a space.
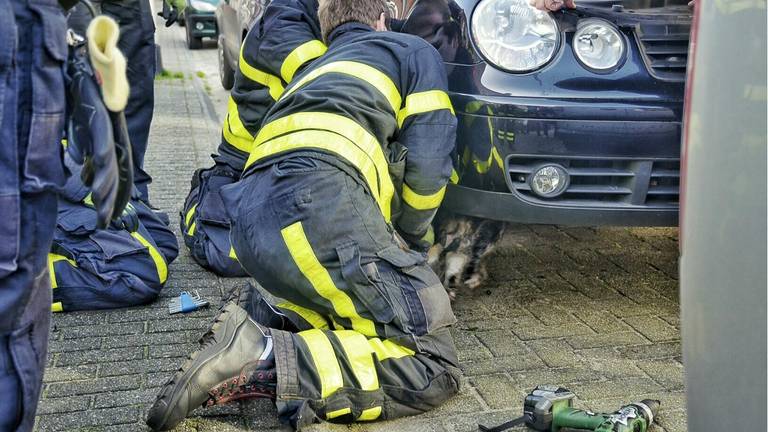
205, 223
380, 346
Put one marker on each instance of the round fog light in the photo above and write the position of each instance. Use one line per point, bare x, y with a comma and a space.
549, 181
199, 26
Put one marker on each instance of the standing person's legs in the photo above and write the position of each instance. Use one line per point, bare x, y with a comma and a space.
32, 54
137, 42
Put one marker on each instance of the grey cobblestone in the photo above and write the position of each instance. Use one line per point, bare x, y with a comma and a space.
592, 309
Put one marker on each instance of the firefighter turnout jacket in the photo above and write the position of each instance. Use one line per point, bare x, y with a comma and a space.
283, 41
374, 105
280, 44
125, 264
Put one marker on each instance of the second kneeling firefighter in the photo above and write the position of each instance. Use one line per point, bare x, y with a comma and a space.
313, 222
279, 45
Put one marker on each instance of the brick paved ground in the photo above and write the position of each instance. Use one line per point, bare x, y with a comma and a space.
595, 310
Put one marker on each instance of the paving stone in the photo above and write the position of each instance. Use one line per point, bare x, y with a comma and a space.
179, 324
99, 356
606, 339
527, 380
658, 350
551, 331
77, 332
70, 373
653, 328
138, 366
469, 422
555, 353
502, 364
624, 388
151, 339
81, 419
171, 351
502, 343
63, 405
123, 398
496, 390
668, 373
468, 346
100, 385
69, 345
601, 321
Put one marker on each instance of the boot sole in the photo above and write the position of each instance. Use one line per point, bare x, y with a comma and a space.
214, 349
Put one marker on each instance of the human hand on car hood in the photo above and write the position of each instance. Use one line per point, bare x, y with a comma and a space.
552, 5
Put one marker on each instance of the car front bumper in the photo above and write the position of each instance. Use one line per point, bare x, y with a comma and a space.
202, 24
622, 159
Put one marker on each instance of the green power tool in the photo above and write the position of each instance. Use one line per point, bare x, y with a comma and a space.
550, 409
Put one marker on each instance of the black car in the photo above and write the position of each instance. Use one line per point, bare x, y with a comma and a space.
199, 22
571, 117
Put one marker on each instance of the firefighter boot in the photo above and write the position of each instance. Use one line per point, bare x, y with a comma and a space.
235, 348
248, 297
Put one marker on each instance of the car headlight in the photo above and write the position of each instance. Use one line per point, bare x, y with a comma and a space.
598, 44
513, 35
202, 6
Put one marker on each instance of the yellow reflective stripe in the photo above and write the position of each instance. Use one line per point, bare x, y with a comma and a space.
160, 265
54, 258
57, 307
313, 318
190, 214
88, 200
360, 357
302, 54
301, 251
422, 202
454, 176
192, 228
324, 358
379, 181
370, 414
379, 80
419, 103
338, 413
387, 349
270, 81
233, 254
347, 128
233, 129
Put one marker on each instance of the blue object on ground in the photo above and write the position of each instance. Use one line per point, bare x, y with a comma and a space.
187, 303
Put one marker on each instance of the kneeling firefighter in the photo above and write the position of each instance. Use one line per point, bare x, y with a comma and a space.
315, 223
278, 46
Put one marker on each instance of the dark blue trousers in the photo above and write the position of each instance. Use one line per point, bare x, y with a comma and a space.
32, 104
137, 42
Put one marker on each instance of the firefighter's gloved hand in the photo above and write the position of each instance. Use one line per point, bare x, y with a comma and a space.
552, 5
421, 244
128, 220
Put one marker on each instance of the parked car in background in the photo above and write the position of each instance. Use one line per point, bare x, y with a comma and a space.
571, 117
199, 22
234, 18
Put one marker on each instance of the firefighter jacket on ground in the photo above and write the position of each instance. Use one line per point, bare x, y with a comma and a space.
312, 222
125, 264
280, 44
